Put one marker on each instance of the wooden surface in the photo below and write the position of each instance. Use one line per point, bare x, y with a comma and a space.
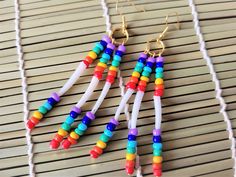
56, 36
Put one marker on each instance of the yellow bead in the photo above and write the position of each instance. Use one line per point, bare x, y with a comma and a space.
38, 115
113, 68
74, 135
157, 159
102, 65
130, 156
92, 55
144, 78
159, 81
101, 144
136, 74
62, 132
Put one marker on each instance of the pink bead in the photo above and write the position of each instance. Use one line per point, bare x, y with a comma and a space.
76, 109
106, 38
151, 59
133, 131
111, 46
90, 115
55, 96
160, 59
122, 48
143, 55
114, 121
156, 132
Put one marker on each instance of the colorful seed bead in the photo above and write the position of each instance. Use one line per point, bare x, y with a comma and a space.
101, 144
74, 135
43, 110
70, 120
47, 106
143, 78
159, 88
62, 132
97, 50
136, 74
38, 115
159, 81
92, 55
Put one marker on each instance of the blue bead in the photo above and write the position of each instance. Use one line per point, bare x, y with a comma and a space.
131, 137
157, 146
86, 120
159, 64
103, 43
142, 60
146, 68
106, 56
132, 144
108, 133
47, 106
156, 139
141, 65
69, 120
159, 69
111, 126
79, 132
99, 46
51, 101
149, 64
82, 127
74, 114
103, 60
117, 58
108, 51
119, 53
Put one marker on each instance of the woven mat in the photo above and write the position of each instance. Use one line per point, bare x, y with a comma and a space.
56, 36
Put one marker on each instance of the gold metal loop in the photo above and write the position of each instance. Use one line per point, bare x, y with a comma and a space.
160, 45
124, 31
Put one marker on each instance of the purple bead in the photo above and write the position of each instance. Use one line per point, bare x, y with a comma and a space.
143, 55
160, 59
114, 121
156, 132
90, 115
151, 59
55, 96
106, 38
133, 131
76, 109
122, 48
111, 46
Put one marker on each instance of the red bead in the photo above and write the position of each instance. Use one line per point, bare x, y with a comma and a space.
141, 88
134, 79
129, 163
86, 63
112, 73
54, 144
98, 150
110, 79
157, 172
58, 138
129, 171
66, 144
72, 140
89, 59
98, 74
94, 154
156, 166
34, 120
159, 87
159, 92
142, 83
30, 125
131, 85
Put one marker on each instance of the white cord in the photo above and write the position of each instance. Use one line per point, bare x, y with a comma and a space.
215, 80
106, 15
158, 111
24, 87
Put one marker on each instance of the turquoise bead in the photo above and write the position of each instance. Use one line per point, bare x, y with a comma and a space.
132, 144
65, 126
43, 110
47, 106
159, 75
115, 63
96, 50
104, 138
131, 150
69, 120
159, 70
157, 146
103, 60
108, 133
156, 152
138, 69
145, 73
146, 68
106, 56
99, 46
139, 64
82, 127
79, 132
117, 58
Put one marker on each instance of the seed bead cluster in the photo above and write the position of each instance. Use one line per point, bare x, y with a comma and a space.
159, 83
104, 138
42, 110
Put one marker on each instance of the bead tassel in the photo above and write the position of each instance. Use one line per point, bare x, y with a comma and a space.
159, 83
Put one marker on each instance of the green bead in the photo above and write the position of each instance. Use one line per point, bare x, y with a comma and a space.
79, 132
103, 60
159, 75
43, 110
106, 56
65, 126
131, 150
96, 50
146, 73
156, 152
99, 46
104, 138
138, 69
115, 63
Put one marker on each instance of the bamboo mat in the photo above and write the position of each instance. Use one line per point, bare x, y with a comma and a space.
56, 36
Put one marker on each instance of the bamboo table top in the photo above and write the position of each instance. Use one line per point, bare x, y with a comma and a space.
56, 35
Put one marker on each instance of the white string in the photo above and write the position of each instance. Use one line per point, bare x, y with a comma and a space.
24, 87
215, 80
106, 15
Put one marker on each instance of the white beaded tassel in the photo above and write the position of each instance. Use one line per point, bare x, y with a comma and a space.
24, 87
158, 111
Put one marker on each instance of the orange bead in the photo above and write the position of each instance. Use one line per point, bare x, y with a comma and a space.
112, 73
34, 120
99, 68
156, 166
98, 150
58, 137
134, 79
89, 59
159, 87
142, 83
129, 163
73, 141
